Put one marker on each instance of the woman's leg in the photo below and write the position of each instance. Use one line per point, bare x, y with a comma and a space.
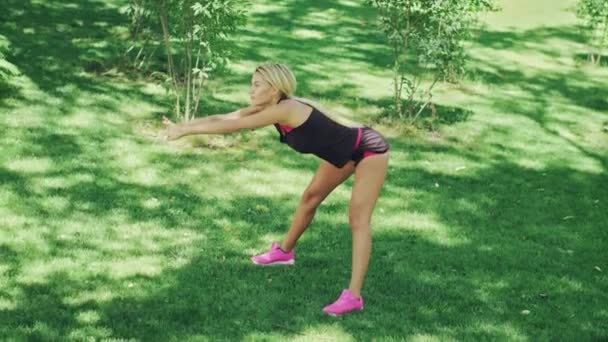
369, 178
325, 180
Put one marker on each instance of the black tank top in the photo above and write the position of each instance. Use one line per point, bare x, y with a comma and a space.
322, 137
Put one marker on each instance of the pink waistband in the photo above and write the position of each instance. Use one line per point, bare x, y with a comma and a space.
286, 129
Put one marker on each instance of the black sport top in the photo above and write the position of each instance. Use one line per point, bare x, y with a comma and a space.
322, 137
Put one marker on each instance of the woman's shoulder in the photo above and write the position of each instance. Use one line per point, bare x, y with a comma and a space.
294, 105
295, 111
290, 102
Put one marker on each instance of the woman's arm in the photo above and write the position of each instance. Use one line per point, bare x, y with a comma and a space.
243, 112
228, 116
228, 123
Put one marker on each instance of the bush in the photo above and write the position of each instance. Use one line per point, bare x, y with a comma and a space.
427, 38
194, 34
594, 14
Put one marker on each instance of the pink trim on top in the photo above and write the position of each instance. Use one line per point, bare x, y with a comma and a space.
358, 141
286, 129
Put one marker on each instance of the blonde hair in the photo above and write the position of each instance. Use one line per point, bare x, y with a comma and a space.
280, 77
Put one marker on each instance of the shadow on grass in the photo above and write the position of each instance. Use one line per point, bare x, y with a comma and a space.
514, 234
439, 115
572, 85
505, 246
519, 41
335, 33
542, 88
7, 89
67, 38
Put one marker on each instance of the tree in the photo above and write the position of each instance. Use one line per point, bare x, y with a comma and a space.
195, 38
427, 38
594, 14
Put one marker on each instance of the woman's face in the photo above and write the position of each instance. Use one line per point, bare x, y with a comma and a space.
261, 92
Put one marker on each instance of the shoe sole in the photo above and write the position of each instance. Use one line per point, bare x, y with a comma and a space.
342, 314
276, 263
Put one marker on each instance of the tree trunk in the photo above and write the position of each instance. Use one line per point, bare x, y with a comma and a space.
197, 95
603, 41
429, 95
170, 65
189, 83
397, 81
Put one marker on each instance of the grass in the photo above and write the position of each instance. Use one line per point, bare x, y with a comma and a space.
109, 234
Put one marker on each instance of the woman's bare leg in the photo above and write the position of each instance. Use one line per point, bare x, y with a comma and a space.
325, 180
369, 178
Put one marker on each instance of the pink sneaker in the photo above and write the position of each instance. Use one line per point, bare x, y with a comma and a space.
275, 256
345, 304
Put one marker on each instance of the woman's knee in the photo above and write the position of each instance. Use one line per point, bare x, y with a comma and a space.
358, 221
311, 199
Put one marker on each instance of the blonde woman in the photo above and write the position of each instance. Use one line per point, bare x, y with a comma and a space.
344, 150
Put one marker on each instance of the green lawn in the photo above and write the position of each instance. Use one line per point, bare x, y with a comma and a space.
108, 233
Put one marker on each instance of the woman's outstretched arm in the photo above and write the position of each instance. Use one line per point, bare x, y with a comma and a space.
228, 123
228, 116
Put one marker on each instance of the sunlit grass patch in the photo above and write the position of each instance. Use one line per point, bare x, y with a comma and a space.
421, 224
505, 330
522, 15
31, 165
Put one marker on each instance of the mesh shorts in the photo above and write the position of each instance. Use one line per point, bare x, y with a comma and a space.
369, 142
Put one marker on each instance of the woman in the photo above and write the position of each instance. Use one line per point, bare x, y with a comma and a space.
343, 150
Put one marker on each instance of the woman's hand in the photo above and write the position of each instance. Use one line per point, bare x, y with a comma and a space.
174, 131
